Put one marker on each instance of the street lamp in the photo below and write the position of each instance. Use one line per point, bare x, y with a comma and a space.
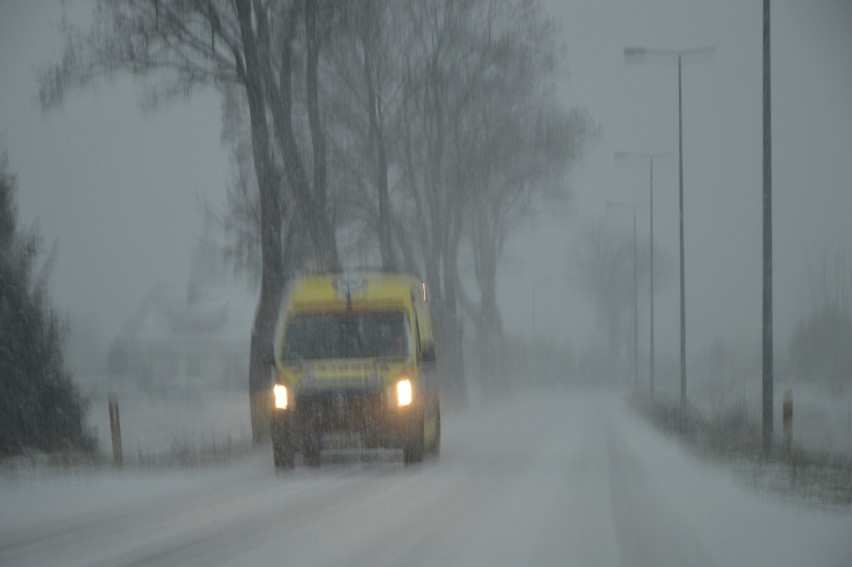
767, 379
645, 55
619, 158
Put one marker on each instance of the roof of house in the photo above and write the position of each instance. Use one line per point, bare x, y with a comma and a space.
215, 305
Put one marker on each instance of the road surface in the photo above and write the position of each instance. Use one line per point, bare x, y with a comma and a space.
568, 478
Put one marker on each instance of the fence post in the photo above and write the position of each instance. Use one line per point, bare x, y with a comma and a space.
115, 429
788, 420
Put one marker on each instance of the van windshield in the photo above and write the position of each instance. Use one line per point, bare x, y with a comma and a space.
355, 334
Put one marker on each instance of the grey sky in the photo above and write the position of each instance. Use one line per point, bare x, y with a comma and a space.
118, 188
637, 108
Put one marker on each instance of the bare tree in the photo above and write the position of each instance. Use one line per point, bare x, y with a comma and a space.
829, 282
428, 121
277, 34
480, 138
180, 45
442, 70
366, 97
272, 279
605, 272
524, 159
241, 218
819, 346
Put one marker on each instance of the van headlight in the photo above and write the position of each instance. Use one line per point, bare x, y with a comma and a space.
404, 392
280, 392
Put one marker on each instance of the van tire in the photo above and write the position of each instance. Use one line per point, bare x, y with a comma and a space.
414, 448
283, 454
435, 448
311, 451
283, 457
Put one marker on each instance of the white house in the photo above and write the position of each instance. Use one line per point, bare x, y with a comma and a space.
179, 339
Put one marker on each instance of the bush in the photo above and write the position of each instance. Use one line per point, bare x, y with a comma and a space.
819, 348
40, 407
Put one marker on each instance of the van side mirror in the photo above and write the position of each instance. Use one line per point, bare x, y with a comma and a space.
427, 352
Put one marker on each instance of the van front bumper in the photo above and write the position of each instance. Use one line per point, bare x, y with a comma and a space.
370, 416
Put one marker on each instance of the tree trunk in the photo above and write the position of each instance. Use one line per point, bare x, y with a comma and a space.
326, 246
272, 281
490, 330
453, 333
280, 97
378, 143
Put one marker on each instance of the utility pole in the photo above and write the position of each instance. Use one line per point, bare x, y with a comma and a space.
768, 400
682, 265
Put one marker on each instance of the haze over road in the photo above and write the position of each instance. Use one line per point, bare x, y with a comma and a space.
556, 478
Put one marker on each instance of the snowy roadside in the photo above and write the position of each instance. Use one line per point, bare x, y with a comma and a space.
182, 428
167, 440
741, 525
543, 477
45, 495
813, 478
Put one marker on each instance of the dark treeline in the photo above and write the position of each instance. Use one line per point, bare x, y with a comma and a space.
40, 407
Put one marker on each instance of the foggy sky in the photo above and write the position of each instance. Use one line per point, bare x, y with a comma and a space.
636, 106
118, 189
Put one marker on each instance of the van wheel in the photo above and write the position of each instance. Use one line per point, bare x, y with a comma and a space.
412, 451
311, 451
283, 454
435, 449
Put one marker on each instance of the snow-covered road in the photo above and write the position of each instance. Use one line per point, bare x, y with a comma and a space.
570, 478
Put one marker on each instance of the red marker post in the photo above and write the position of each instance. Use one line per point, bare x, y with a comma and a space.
788, 420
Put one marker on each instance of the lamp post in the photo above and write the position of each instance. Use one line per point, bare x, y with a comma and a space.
635, 309
767, 376
621, 157
640, 55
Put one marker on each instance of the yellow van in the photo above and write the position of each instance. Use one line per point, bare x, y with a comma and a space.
355, 367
